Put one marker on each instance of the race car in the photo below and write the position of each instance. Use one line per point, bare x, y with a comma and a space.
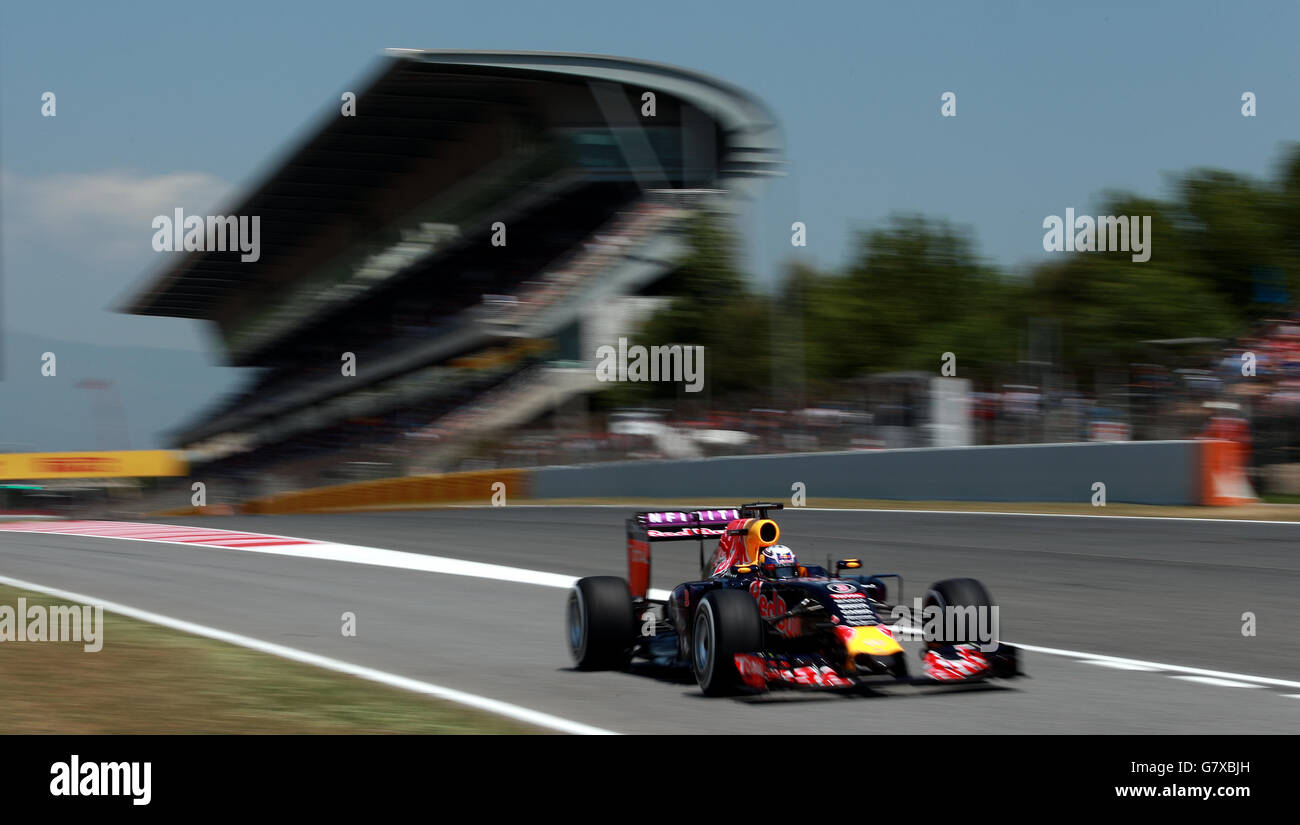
759, 619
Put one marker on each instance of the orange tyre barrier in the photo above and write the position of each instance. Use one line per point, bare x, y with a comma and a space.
1223, 474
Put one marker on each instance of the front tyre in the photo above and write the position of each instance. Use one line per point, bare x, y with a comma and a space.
601, 623
727, 622
968, 599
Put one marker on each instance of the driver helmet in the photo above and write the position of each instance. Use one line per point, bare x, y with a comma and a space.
778, 562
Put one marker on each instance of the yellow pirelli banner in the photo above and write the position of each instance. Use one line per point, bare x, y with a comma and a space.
119, 464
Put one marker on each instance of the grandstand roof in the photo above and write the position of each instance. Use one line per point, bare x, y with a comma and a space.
353, 175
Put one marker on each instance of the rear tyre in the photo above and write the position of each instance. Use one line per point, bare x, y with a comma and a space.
601, 623
727, 622
960, 593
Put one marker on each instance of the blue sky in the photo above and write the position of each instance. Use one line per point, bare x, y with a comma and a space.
161, 105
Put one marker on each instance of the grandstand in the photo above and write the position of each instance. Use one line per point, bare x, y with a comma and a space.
378, 240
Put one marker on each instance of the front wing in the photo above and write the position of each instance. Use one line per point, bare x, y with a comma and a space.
956, 664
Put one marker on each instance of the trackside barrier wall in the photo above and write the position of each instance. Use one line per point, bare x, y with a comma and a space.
1141, 472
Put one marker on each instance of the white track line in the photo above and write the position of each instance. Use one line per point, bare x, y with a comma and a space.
1210, 680
1124, 666
375, 556
1118, 661
522, 714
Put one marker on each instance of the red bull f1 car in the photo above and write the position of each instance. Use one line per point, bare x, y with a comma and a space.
759, 619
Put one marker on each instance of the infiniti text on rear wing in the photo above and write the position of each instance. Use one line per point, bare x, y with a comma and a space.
669, 525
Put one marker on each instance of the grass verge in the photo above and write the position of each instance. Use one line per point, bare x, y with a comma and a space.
149, 679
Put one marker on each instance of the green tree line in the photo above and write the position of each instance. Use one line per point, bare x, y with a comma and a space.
1225, 254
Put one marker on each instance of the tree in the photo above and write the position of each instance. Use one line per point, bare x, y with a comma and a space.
913, 291
1106, 304
711, 306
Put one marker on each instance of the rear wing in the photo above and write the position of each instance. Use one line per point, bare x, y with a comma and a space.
643, 529
669, 525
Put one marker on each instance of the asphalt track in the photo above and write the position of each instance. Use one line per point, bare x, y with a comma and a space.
1168, 592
